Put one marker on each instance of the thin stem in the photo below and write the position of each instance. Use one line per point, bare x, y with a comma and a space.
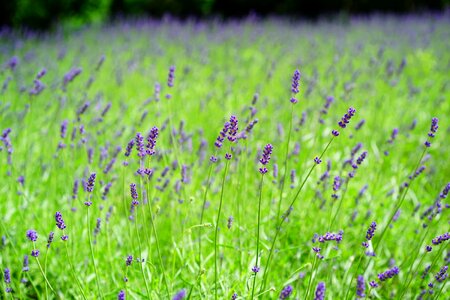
92, 253
140, 253
45, 277
311, 277
285, 164
278, 230
163, 270
45, 272
217, 230
208, 183
257, 232
73, 272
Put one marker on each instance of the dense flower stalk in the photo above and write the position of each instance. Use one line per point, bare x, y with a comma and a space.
139, 140
442, 274
320, 291
151, 141
388, 274
32, 235
345, 120
180, 295
360, 287
295, 85
171, 76
91, 183
286, 292
370, 233
121, 295
233, 129
265, 158
441, 238
433, 129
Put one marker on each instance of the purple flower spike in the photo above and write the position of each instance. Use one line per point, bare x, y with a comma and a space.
91, 183
59, 221
360, 287
25, 264
295, 82
255, 269
140, 145
320, 291
441, 238
7, 276
388, 274
129, 148
50, 239
129, 260
222, 135
373, 284
180, 295
234, 296
63, 129
317, 160
442, 274
35, 253
134, 194
171, 76
371, 231
433, 129
233, 129
346, 118
32, 235
335, 132
444, 193
121, 295
286, 292
151, 139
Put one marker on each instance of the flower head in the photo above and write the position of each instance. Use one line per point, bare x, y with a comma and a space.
32, 235
320, 291
286, 292
180, 295
388, 274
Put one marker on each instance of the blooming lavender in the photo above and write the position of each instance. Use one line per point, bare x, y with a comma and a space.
139, 140
336, 187
230, 222
360, 287
134, 194
295, 85
129, 260
151, 141
50, 238
445, 191
286, 292
370, 233
373, 284
388, 274
59, 221
70, 76
91, 183
393, 135
345, 120
35, 253
129, 148
7, 278
32, 235
233, 129
234, 296
180, 295
320, 291
171, 76
433, 129
441, 238
265, 158
255, 269
442, 274
222, 135
121, 295
331, 237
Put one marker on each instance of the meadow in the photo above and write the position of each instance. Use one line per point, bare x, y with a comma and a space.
253, 159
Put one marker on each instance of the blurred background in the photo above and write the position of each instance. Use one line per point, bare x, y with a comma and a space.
44, 14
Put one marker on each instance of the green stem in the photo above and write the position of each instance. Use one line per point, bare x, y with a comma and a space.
257, 232
73, 272
45, 277
140, 253
217, 230
311, 277
208, 183
92, 253
278, 230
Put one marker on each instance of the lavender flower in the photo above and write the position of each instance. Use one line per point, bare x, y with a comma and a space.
335, 132
441, 238
320, 291
109, 166
233, 129
442, 274
59, 221
371, 231
180, 295
331, 237
35, 253
63, 129
50, 239
336, 186
134, 194
32, 235
129, 260
222, 135
140, 145
317, 160
393, 135
121, 295
360, 287
25, 267
255, 269
91, 183
234, 296
230, 222
151, 139
345, 120
7, 276
295, 85
388, 274
129, 148
265, 158
444, 193
170, 78
373, 284
433, 129
286, 292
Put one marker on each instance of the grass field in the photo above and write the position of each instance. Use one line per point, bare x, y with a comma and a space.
197, 228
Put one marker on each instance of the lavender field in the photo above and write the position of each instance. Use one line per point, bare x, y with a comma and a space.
254, 159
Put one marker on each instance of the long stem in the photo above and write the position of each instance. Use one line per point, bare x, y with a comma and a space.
257, 232
73, 272
285, 164
163, 270
201, 218
45, 277
217, 230
92, 253
315, 263
278, 229
45, 272
140, 253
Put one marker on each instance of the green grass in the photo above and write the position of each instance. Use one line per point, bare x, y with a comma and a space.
219, 68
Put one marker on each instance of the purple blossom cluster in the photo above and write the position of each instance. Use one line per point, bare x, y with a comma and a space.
320, 291
286, 292
388, 274
295, 85
370, 233
329, 236
432, 133
265, 158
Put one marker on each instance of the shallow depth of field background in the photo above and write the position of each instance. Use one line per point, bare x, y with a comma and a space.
394, 70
